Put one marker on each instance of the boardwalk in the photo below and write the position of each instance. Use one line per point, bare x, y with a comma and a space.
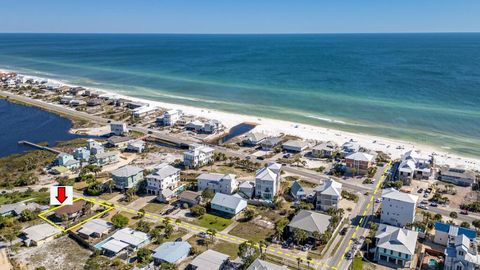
40, 147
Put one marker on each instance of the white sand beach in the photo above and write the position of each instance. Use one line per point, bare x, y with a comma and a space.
395, 148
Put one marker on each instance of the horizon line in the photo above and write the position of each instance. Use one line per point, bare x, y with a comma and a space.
247, 33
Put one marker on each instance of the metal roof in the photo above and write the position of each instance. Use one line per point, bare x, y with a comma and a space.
171, 252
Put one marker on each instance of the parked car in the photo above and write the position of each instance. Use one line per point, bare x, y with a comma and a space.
424, 202
260, 158
378, 200
202, 234
348, 255
464, 212
423, 206
343, 231
434, 204
420, 190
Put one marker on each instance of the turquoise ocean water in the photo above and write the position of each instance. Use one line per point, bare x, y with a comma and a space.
423, 88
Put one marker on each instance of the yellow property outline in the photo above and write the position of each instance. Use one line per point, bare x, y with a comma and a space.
41, 215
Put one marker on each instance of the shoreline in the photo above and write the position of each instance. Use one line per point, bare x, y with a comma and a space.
394, 147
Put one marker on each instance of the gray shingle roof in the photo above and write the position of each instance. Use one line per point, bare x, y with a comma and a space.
209, 260
126, 171
228, 201
396, 239
310, 221
163, 171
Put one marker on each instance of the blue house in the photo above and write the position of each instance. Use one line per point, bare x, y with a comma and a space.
171, 252
444, 231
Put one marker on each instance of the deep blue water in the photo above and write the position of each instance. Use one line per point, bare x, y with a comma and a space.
418, 87
18, 122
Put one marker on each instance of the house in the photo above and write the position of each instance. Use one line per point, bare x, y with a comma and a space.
267, 181
209, 260
94, 147
118, 128
196, 126
349, 148
328, 195
212, 126
310, 222
295, 146
462, 254
299, 192
15, 209
65, 100
81, 154
269, 143
444, 232
246, 189
105, 158
68, 161
70, 211
123, 240
170, 118
324, 150
93, 102
457, 176
395, 246
359, 162
163, 181
127, 176
119, 142
190, 197
77, 91
95, 228
77, 102
398, 208
137, 146
144, 111
264, 265
414, 165
254, 139
217, 182
39, 234
171, 252
228, 204
197, 156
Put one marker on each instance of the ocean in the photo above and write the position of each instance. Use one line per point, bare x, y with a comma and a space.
423, 88
19, 122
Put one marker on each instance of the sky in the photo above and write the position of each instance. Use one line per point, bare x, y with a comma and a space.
239, 16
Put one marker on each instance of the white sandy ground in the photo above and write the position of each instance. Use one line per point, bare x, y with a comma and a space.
309, 132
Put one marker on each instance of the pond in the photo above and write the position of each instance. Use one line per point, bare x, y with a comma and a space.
20, 122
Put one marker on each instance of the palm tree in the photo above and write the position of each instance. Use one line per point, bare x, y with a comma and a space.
299, 260
309, 259
110, 185
316, 235
368, 241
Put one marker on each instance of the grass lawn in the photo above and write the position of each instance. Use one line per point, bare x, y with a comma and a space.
228, 248
80, 185
357, 263
210, 221
229, 170
176, 234
154, 207
107, 196
130, 216
251, 231
34, 196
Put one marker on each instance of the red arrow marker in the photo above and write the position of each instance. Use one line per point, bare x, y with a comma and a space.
61, 196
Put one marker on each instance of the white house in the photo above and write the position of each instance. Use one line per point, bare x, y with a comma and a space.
163, 182
137, 146
144, 111
445, 232
267, 181
197, 156
395, 246
462, 254
254, 138
217, 182
118, 128
170, 118
228, 204
122, 240
415, 165
95, 147
398, 208
328, 195
349, 147
68, 161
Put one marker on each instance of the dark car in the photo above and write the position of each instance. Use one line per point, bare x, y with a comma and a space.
260, 158
343, 231
178, 239
420, 190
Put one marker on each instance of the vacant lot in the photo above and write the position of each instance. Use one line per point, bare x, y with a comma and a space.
59, 254
251, 231
228, 248
154, 207
210, 221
